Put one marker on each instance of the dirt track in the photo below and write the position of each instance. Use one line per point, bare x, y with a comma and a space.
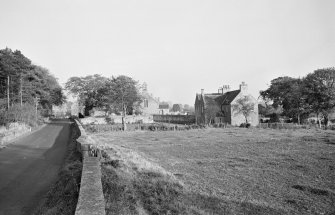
29, 166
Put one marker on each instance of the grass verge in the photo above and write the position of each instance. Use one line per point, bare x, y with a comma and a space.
131, 188
63, 196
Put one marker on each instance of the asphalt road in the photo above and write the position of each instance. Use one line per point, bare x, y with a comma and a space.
29, 167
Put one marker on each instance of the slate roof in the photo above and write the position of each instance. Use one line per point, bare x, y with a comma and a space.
220, 99
227, 98
163, 106
210, 99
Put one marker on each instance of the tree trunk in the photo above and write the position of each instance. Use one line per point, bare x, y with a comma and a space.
326, 122
21, 91
319, 120
124, 126
8, 92
298, 119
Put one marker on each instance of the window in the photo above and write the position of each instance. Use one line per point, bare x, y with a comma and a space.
146, 103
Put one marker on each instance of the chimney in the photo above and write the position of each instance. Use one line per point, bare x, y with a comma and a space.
225, 88
243, 87
202, 91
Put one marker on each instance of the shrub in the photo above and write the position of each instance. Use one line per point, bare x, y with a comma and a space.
245, 125
25, 114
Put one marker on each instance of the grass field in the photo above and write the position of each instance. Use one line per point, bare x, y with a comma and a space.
262, 171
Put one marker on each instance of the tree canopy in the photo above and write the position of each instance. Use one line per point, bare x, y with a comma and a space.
298, 97
27, 81
319, 90
117, 94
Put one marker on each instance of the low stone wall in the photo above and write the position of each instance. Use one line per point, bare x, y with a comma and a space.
129, 119
91, 199
176, 119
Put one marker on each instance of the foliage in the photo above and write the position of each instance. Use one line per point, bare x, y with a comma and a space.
245, 106
177, 107
298, 97
16, 113
27, 81
123, 94
91, 90
287, 93
117, 94
319, 88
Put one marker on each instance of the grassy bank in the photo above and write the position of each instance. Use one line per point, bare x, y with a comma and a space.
261, 171
134, 185
63, 196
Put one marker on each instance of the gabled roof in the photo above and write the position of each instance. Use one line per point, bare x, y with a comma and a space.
149, 97
218, 98
228, 97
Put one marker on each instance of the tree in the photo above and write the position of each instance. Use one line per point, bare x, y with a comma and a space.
319, 88
92, 90
118, 94
21, 84
25, 81
177, 107
245, 106
287, 93
123, 95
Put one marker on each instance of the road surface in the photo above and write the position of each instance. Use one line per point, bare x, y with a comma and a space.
29, 167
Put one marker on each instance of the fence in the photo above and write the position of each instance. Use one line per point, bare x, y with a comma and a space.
287, 126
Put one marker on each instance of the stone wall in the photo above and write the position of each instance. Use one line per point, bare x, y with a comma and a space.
177, 119
91, 199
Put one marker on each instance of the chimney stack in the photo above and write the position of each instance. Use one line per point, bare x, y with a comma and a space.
202, 91
225, 88
243, 87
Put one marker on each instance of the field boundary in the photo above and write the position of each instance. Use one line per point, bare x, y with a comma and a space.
91, 199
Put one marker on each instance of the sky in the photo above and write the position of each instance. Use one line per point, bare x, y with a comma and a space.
177, 47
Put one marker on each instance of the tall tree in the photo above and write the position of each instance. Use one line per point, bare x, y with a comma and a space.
123, 95
91, 90
287, 93
26, 81
319, 88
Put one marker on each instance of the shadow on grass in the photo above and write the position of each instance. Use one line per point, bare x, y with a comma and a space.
153, 193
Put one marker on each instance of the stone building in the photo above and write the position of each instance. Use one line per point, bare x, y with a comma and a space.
219, 107
149, 104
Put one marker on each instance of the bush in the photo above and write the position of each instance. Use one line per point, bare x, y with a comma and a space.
245, 125
25, 114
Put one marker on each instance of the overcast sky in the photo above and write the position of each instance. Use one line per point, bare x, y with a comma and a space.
176, 46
